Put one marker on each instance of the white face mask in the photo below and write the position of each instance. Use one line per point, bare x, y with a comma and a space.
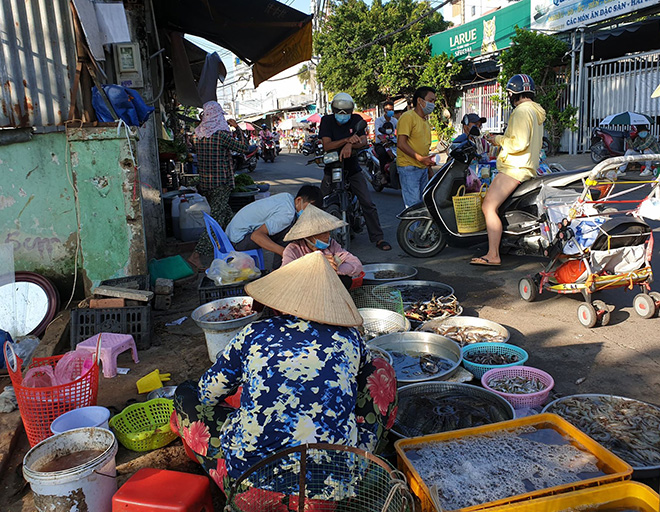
388, 132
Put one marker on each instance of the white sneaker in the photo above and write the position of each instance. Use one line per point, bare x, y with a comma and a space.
619, 172
646, 172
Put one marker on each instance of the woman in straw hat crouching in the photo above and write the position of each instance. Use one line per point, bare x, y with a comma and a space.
311, 233
303, 373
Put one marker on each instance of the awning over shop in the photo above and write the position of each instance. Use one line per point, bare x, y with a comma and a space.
266, 33
485, 35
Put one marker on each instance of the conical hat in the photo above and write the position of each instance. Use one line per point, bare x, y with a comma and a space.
655, 94
313, 221
307, 288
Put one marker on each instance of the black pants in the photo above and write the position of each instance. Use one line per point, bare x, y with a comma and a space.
247, 244
359, 187
383, 157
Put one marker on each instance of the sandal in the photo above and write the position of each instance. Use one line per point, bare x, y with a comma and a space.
383, 245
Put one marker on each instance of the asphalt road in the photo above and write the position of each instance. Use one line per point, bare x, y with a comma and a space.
622, 358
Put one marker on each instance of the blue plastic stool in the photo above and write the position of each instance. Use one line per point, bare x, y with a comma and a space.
222, 245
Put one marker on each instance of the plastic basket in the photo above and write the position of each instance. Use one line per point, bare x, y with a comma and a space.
145, 426
135, 321
137, 282
209, 291
40, 406
478, 370
521, 401
467, 209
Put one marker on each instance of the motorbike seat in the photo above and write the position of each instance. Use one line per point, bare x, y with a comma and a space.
613, 133
536, 183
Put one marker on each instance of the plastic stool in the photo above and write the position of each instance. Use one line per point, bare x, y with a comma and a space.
156, 490
111, 346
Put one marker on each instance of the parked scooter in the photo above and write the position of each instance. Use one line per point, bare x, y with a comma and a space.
247, 160
268, 150
387, 177
426, 228
607, 143
311, 146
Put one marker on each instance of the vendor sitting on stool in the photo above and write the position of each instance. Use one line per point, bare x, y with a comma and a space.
303, 373
311, 233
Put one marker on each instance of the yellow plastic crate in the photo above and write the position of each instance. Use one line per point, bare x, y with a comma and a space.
615, 468
616, 495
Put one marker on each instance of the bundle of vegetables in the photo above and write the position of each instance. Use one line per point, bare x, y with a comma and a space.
243, 183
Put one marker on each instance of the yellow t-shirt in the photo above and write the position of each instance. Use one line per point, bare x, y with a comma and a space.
418, 131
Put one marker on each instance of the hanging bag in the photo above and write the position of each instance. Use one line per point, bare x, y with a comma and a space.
467, 209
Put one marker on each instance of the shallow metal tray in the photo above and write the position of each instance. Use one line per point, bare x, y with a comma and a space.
465, 321
639, 471
421, 342
226, 325
408, 272
434, 288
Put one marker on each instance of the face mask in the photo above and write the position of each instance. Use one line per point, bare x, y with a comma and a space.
428, 107
319, 244
643, 134
388, 132
389, 113
342, 118
298, 214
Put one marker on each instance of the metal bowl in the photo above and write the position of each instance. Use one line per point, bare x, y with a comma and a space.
382, 321
379, 352
164, 392
465, 321
406, 271
639, 471
408, 425
425, 289
421, 343
226, 325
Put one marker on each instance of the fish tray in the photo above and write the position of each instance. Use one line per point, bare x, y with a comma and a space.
615, 469
478, 370
416, 291
466, 321
405, 271
520, 401
638, 471
620, 495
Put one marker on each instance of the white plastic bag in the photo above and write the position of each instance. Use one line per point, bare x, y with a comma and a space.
237, 267
650, 208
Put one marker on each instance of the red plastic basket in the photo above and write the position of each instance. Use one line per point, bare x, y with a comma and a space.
40, 406
521, 401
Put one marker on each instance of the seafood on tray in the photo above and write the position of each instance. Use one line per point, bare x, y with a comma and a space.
629, 428
437, 307
490, 358
389, 274
228, 313
517, 385
467, 335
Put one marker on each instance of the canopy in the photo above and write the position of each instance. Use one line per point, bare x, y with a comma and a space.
626, 118
364, 116
266, 33
246, 126
314, 118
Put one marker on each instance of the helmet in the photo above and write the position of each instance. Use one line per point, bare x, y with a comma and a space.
264, 126
520, 83
342, 103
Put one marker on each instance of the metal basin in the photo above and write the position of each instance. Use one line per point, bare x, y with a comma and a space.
416, 343
378, 322
408, 420
465, 321
404, 271
416, 291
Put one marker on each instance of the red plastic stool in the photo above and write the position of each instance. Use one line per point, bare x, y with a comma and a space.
160, 490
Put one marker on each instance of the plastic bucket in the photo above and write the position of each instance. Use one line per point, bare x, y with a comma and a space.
89, 486
92, 416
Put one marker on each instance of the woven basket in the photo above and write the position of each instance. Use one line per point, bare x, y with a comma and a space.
144, 426
467, 209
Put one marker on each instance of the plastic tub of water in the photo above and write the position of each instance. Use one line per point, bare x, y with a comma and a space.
92, 416
74, 470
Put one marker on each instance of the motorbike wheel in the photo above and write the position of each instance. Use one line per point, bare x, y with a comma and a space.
341, 235
252, 164
408, 234
305, 151
598, 152
548, 147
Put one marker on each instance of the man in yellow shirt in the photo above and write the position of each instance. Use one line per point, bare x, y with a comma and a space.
517, 161
414, 140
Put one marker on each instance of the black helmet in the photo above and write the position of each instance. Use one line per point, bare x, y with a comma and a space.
342, 103
520, 83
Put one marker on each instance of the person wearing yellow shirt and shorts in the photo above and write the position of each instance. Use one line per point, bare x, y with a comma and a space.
413, 141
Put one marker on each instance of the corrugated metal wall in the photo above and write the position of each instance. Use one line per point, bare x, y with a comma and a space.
37, 62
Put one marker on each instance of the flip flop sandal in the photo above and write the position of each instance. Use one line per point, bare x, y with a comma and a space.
383, 246
483, 262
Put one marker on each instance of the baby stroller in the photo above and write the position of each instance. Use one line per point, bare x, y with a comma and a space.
597, 239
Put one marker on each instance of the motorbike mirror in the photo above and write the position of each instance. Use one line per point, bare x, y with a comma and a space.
464, 152
331, 158
361, 125
475, 131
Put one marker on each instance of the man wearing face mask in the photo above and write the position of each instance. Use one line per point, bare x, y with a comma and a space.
468, 122
414, 140
643, 143
338, 133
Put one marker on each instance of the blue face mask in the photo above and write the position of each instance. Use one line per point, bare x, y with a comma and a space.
298, 214
389, 113
644, 134
428, 107
319, 244
342, 118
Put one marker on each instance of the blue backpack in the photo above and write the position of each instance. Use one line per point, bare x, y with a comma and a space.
128, 105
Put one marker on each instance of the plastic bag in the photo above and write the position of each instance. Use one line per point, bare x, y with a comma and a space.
472, 181
650, 208
40, 377
237, 267
72, 366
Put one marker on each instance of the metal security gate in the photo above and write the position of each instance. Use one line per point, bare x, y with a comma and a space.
617, 85
479, 98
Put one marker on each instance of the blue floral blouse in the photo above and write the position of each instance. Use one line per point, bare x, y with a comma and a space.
299, 386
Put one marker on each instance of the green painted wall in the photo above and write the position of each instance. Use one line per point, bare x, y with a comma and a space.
38, 205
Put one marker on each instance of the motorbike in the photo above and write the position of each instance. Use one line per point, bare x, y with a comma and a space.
278, 148
268, 150
390, 171
314, 146
247, 160
427, 228
607, 143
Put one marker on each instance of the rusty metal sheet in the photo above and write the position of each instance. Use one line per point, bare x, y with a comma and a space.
37, 62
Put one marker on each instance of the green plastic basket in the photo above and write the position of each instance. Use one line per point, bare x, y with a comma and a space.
145, 426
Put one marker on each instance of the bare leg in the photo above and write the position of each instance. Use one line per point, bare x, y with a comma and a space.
501, 188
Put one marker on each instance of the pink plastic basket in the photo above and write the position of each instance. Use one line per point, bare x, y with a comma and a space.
521, 401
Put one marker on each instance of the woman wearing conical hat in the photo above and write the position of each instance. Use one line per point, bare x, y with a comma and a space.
303, 374
311, 233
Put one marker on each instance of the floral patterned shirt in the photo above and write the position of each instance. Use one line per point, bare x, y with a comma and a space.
299, 386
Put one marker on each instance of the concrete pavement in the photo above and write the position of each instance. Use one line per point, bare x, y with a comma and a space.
622, 358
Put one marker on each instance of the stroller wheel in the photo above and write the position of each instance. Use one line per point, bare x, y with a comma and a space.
644, 305
602, 311
656, 298
528, 289
587, 315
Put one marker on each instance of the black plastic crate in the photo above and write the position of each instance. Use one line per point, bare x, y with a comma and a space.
136, 321
208, 291
137, 282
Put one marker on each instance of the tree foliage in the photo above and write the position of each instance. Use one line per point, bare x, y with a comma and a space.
539, 55
304, 74
390, 67
439, 73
